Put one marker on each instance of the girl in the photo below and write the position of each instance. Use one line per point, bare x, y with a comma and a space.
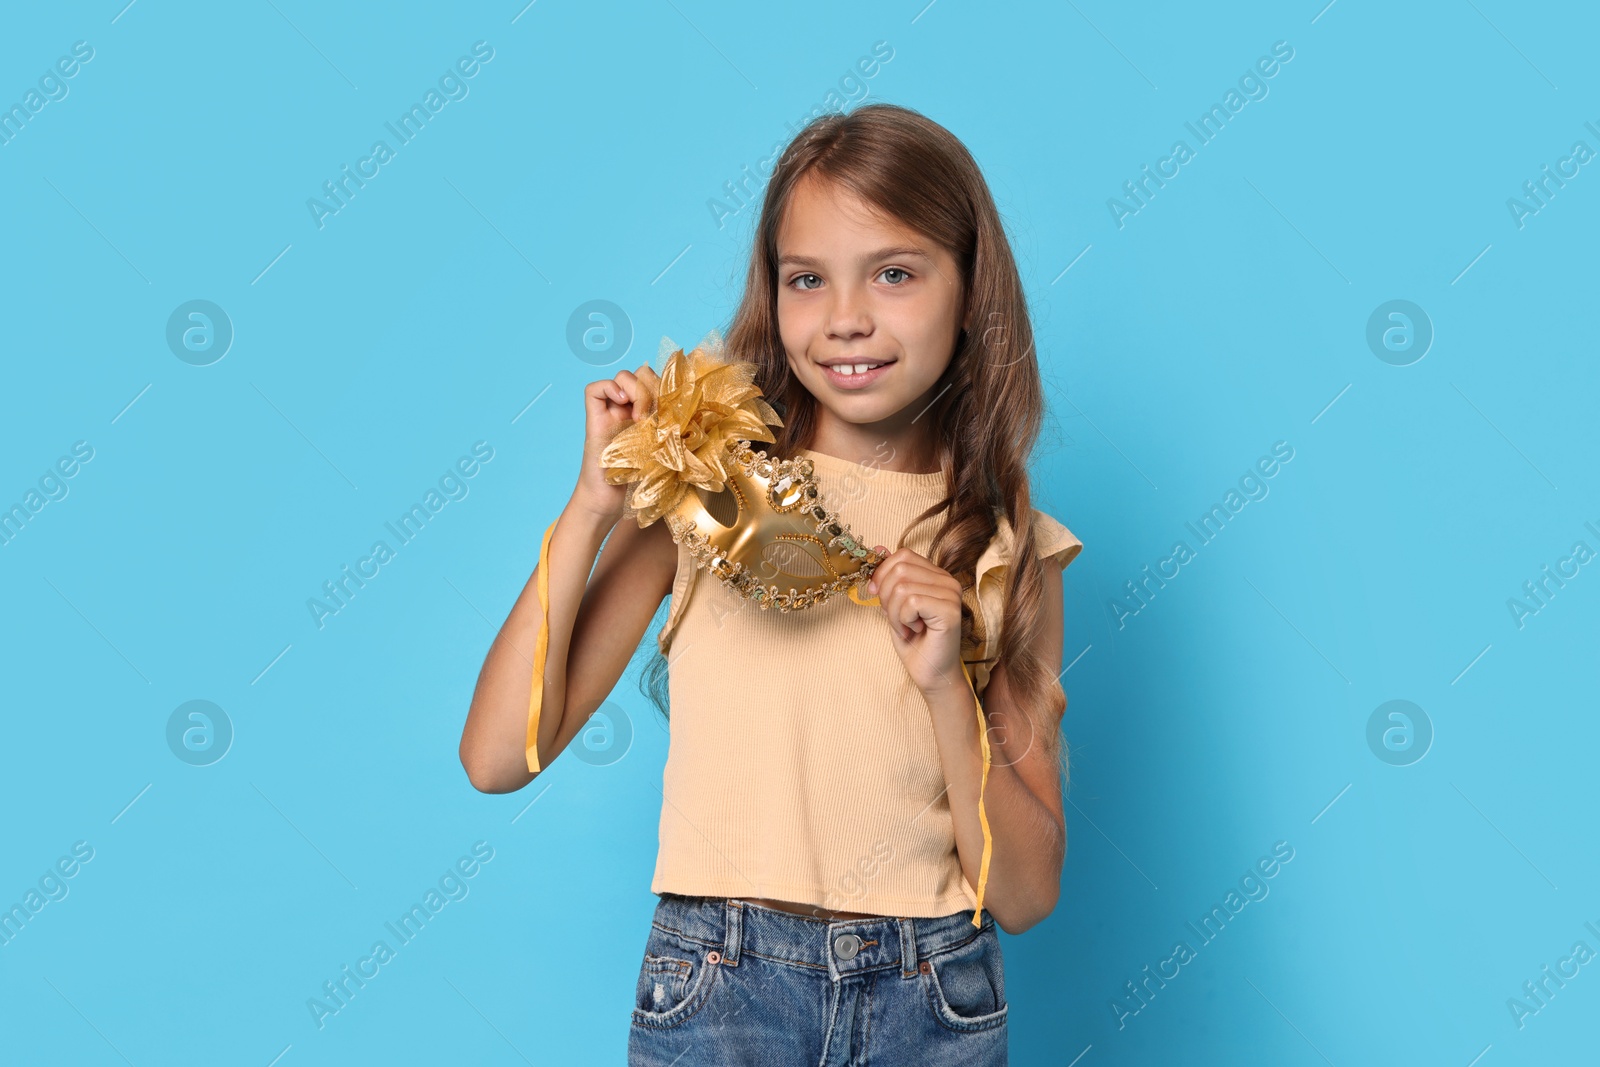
830, 758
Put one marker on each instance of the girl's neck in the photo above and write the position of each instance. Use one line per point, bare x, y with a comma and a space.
913, 450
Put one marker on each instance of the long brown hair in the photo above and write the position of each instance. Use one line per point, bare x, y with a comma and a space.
988, 407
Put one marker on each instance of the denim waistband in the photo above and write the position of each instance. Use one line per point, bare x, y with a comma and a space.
738, 928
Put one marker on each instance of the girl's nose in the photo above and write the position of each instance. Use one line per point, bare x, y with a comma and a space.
849, 316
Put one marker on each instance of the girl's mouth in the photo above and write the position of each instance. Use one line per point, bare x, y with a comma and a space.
855, 376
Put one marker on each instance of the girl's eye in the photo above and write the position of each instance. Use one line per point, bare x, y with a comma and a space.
800, 277
895, 270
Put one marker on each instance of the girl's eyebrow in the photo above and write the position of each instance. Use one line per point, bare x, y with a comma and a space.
881, 253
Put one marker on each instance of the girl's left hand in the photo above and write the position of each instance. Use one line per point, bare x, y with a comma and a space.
923, 605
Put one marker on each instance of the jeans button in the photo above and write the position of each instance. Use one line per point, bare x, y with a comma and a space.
847, 945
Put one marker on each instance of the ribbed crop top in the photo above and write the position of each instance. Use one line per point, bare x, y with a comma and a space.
801, 762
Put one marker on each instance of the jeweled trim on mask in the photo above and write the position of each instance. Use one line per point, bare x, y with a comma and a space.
790, 487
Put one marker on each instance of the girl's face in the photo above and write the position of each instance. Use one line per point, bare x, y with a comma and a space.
858, 290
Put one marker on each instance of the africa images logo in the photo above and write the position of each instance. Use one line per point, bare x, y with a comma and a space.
453, 885
1252, 888
1205, 128
452, 86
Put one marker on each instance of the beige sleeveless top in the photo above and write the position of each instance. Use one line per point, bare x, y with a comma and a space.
801, 763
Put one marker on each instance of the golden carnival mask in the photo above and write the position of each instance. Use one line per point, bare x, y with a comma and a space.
754, 522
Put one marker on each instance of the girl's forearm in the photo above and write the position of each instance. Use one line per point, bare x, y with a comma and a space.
494, 741
1027, 847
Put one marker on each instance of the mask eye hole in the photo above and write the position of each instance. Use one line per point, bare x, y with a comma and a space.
723, 507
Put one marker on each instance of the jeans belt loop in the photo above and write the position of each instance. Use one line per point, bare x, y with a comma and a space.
734, 932
908, 948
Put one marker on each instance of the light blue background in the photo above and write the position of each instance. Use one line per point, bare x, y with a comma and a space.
1227, 315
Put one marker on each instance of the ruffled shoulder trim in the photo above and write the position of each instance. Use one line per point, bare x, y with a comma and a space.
682, 587
1052, 540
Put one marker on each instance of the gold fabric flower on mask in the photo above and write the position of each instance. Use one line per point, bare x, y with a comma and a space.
703, 404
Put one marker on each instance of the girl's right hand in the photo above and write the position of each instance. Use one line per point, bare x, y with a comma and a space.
610, 404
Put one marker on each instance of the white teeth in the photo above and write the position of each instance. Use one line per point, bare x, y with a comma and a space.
849, 370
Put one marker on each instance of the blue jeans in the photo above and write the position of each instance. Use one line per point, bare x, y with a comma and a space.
729, 982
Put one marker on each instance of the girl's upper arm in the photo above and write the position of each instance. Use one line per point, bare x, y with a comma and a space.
631, 577
1017, 745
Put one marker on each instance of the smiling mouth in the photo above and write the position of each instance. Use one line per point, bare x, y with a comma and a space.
852, 376
850, 369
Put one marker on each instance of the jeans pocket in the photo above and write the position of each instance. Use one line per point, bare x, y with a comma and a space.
674, 980
966, 985
663, 981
